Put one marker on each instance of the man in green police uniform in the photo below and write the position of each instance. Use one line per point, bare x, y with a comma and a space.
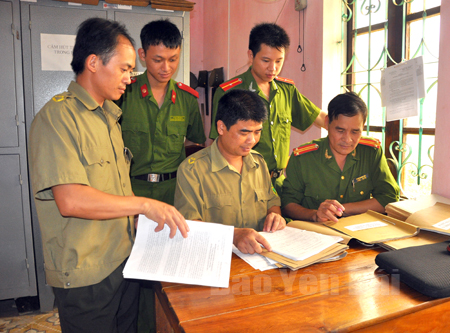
79, 170
228, 182
158, 114
287, 107
342, 174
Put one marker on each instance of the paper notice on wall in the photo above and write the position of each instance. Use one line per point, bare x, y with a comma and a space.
56, 52
401, 87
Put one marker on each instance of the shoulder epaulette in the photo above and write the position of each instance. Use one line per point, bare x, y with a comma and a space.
184, 87
230, 84
282, 79
59, 97
305, 149
371, 142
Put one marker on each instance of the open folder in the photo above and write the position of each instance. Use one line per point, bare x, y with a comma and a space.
435, 218
429, 214
403, 209
373, 227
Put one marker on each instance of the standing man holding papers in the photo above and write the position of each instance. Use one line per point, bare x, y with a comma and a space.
228, 182
81, 184
340, 175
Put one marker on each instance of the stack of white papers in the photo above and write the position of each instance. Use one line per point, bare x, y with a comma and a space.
255, 260
296, 245
203, 258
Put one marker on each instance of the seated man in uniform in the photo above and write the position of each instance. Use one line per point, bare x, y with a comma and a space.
342, 174
228, 182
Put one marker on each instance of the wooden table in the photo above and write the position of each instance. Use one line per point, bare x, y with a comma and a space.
346, 295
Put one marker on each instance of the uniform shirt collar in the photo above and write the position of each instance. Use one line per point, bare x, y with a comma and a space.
90, 103
218, 162
349, 161
172, 85
250, 83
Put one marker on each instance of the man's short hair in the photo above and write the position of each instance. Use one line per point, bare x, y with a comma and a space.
97, 36
160, 32
348, 104
238, 105
270, 34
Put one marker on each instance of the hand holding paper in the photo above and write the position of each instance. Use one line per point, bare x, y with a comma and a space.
167, 215
203, 258
248, 240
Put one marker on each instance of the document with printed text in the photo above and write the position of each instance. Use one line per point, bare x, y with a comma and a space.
298, 244
203, 258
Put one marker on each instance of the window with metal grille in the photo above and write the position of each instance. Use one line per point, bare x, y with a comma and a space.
383, 33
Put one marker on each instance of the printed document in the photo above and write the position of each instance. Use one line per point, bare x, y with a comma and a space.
203, 258
401, 86
256, 260
298, 244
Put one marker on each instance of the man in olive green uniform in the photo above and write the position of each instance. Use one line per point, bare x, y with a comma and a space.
158, 114
342, 174
286, 106
228, 182
79, 171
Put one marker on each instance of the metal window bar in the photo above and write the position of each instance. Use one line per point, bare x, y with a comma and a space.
351, 9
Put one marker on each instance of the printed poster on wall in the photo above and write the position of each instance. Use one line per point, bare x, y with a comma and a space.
401, 87
56, 52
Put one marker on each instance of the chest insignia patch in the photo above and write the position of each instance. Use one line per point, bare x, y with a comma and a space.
177, 118
144, 90
359, 179
305, 149
174, 96
274, 191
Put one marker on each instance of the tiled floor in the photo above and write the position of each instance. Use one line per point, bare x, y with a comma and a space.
23, 316
33, 323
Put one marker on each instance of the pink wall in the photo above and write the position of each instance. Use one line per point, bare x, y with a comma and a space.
441, 175
223, 36
219, 37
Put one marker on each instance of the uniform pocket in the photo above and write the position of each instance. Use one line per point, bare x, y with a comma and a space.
175, 138
285, 121
220, 205
99, 164
361, 190
136, 136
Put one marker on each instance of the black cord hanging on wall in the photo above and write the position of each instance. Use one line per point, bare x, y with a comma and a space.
301, 49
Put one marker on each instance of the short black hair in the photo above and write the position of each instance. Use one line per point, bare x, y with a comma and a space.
238, 105
97, 36
270, 34
348, 104
160, 32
